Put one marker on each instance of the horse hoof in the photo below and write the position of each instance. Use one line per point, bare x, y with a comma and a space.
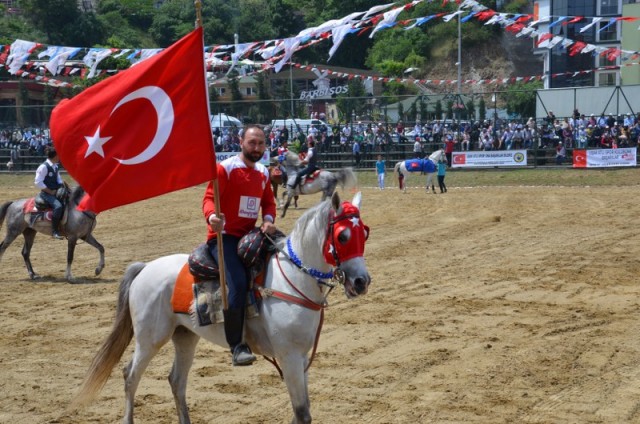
34, 276
98, 270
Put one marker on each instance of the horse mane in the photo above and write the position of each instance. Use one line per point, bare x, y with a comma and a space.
318, 217
292, 159
77, 193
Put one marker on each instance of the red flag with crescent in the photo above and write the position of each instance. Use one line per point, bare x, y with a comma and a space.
141, 133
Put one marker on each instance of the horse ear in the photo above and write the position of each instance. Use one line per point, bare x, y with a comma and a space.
335, 202
357, 199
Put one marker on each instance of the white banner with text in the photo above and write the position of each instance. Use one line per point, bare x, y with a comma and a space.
489, 158
604, 158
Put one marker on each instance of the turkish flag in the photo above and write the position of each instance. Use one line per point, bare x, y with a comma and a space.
579, 158
141, 133
460, 158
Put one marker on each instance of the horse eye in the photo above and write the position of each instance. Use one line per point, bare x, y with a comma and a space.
344, 236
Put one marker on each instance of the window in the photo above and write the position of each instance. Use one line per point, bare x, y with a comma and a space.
250, 91
604, 60
221, 90
606, 79
609, 7
608, 34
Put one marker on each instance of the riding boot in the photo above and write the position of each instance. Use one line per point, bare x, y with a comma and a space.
233, 325
55, 224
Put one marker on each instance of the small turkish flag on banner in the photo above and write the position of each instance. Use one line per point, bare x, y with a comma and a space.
141, 133
579, 158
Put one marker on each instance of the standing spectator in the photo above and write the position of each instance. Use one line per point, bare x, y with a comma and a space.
417, 148
442, 171
582, 138
551, 118
561, 153
448, 148
356, 152
380, 165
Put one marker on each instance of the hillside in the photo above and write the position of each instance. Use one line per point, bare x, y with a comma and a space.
507, 57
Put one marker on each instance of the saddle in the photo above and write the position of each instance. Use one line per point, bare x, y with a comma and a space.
311, 177
36, 209
197, 289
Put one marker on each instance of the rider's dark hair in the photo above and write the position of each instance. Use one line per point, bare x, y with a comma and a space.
249, 127
51, 153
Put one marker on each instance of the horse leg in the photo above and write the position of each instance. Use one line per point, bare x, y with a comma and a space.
29, 236
91, 241
71, 247
184, 342
286, 204
132, 373
295, 378
10, 237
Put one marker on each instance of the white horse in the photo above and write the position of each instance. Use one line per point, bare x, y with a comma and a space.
427, 166
324, 181
290, 313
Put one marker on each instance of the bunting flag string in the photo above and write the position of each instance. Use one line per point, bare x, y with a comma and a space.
277, 53
35, 76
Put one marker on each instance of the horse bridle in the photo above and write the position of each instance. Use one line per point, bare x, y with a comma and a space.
337, 276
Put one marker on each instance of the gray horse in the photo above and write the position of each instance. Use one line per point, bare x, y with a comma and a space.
75, 225
325, 181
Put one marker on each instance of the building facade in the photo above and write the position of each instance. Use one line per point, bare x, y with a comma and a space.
558, 61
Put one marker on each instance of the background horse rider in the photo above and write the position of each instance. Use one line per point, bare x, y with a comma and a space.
48, 180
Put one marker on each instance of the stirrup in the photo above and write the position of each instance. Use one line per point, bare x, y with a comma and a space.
242, 355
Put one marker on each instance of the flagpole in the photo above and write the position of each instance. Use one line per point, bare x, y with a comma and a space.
216, 194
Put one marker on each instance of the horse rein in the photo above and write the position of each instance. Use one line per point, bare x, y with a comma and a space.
337, 276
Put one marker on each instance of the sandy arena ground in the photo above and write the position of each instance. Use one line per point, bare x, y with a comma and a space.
488, 305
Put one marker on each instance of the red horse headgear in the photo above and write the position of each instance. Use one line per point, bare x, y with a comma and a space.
346, 236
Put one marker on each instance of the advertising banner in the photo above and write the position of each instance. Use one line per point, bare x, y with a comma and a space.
489, 158
604, 158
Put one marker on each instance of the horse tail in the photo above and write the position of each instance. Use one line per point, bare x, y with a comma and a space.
347, 178
3, 211
395, 168
114, 345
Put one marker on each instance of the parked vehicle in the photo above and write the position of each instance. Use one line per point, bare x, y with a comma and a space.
304, 124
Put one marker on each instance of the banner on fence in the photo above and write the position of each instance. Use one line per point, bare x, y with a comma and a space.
489, 158
603, 158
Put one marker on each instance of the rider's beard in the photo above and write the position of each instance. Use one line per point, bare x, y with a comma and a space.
253, 157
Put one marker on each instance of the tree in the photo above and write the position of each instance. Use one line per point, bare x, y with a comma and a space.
482, 109
449, 109
352, 101
471, 109
265, 111
237, 107
52, 16
438, 110
521, 98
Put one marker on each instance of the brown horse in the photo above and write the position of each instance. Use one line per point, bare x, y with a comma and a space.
275, 176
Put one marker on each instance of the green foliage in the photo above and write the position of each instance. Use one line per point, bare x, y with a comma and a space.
470, 109
390, 68
516, 6
482, 109
521, 98
438, 111
352, 102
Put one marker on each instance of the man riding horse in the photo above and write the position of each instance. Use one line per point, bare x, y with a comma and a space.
310, 160
48, 180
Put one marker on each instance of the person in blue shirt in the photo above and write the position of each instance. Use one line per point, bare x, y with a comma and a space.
380, 171
442, 170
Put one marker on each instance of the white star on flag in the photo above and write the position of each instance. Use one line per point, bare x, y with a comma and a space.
95, 143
